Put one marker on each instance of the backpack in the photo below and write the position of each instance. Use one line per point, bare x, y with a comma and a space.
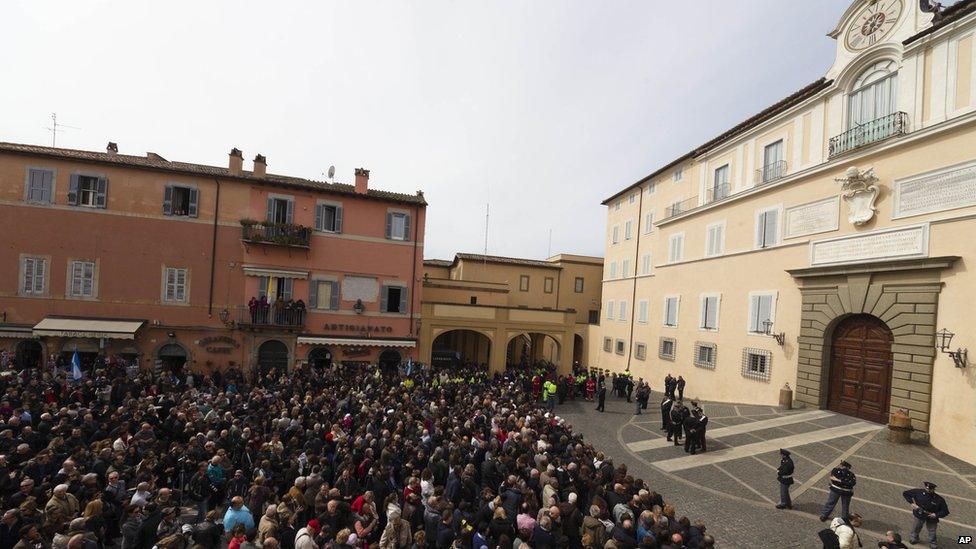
829, 539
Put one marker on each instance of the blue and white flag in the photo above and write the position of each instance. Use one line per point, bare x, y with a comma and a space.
409, 366
75, 366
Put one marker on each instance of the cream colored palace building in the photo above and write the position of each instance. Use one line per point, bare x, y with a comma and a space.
842, 219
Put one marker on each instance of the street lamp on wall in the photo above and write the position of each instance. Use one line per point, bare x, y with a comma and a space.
768, 330
359, 307
959, 357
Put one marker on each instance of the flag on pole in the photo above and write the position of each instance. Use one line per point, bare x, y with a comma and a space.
409, 366
75, 366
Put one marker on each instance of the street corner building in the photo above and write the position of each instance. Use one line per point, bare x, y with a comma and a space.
509, 312
826, 243
185, 268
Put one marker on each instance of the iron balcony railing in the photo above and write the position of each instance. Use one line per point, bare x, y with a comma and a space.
271, 315
874, 131
680, 207
716, 193
771, 172
279, 234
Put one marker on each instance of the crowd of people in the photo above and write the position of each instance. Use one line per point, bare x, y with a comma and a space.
284, 312
339, 458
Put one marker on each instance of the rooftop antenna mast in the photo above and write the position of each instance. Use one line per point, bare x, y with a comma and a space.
487, 206
549, 250
55, 128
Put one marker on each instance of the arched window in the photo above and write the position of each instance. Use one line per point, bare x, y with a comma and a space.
874, 94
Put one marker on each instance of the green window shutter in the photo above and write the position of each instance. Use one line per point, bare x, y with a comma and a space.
334, 304
73, 190
313, 294
289, 211
318, 217
389, 225
406, 226
192, 208
271, 210
403, 300
101, 193
168, 200
338, 219
384, 297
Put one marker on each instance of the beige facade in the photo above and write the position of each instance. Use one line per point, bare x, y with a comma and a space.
499, 310
765, 229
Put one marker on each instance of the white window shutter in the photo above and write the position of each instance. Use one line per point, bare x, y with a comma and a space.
760, 229
193, 206
772, 228
313, 291
334, 297
338, 219
168, 200
318, 219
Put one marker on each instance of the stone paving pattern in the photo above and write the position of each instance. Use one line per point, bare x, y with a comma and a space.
736, 498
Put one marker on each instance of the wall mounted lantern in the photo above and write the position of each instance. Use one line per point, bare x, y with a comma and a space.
224, 315
768, 330
943, 338
359, 307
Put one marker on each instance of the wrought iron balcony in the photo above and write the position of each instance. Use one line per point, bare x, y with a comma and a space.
277, 234
771, 172
716, 193
874, 131
270, 315
681, 207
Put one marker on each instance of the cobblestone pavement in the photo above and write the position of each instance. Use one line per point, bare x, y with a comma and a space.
733, 488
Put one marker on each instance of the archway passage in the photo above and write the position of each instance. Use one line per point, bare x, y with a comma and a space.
389, 360
860, 368
577, 349
29, 354
531, 348
456, 347
172, 358
272, 357
320, 358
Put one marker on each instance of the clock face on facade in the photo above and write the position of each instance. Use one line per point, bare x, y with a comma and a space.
873, 23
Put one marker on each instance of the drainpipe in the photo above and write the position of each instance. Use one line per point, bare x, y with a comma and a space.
633, 298
213, 251
413, 274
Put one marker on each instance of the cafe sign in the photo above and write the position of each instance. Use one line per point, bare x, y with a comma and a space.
220, 345
367, 328
354, 352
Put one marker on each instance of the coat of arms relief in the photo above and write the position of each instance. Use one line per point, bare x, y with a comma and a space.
860, 192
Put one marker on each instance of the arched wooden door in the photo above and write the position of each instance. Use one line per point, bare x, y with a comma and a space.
860, 368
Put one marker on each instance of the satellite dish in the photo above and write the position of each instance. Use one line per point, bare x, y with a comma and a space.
331, 172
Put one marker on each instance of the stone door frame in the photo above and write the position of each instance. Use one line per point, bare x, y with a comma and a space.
904, 294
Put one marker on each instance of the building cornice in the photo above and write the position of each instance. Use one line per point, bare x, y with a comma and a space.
919, 264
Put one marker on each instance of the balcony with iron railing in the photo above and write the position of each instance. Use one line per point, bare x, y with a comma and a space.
681, 207
270, 316
276, 234
877, 130
716, 193
771, 172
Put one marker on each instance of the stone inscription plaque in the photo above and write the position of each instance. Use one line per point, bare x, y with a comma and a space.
816, 217
360, 287
937, 192
880, 245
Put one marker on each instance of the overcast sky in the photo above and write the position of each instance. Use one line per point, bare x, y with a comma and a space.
544, 108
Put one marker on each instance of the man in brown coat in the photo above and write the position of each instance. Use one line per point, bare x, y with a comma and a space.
60, 509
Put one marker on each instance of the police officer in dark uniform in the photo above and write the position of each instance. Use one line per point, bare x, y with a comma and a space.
669, 386
679, 384
677, 422
702, 425
666, 405
629, 384
690, 424
601, 394
927, 508
784, 475
842, 481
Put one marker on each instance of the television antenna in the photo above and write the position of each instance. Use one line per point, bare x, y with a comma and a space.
55, 128
331, 172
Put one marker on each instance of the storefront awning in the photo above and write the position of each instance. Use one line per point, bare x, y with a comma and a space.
353, 342
251, 270
88, 327
16, 332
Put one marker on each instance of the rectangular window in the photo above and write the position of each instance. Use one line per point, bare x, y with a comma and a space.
640, 351
633, 198
650, 188
628, 230
767, 228
328, 218
625, 271
642, 311
720, 184
615, 238
773, 166
705, 354
709, 312
676, 244
82, 279
646, 264
678, 174
622, 316
180, 200
87, 190
33, 276
715, 240
760, 311
674, 209
648, 222
756, 363
667, 348
671, 310
40, 186
607, 344
613, 270
620, 346
524, 283
273, 288
616, 205
174, 289
397, 226
610, 310
280, 210
547, 285
393, 299
578, 285
593, 317
323, 295
474, 300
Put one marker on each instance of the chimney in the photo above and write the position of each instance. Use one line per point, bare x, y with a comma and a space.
236, 166
112, 148
362, 180
260, 166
